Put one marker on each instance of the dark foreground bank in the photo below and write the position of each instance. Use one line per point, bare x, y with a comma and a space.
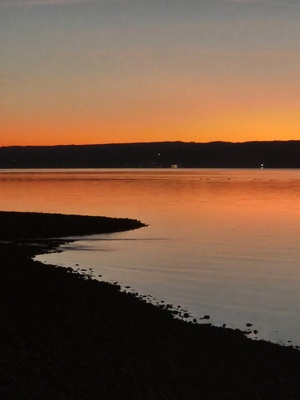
65, 337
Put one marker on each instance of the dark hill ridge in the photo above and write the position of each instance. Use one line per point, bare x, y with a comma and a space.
273, 154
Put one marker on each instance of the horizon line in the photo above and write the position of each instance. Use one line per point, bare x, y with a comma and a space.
155, 142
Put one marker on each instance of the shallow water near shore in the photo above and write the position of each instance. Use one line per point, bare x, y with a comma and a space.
223, 243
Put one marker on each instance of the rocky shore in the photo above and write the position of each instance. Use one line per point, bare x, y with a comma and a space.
66, 337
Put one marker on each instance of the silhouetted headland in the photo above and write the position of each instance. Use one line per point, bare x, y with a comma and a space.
273, 154
64, 336
24, 225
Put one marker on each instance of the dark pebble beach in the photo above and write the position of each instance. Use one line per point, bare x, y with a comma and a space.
66, 337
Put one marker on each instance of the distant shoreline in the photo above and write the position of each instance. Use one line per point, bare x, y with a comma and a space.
273, 154
69, 337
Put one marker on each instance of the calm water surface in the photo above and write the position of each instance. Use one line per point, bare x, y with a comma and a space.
219, 242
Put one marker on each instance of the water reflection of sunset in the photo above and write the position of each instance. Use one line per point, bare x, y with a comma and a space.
243, 200
225, 240
186, 193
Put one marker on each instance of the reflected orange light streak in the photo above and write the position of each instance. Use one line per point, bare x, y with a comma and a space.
102, 193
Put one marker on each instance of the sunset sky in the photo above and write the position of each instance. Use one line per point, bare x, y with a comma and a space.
111, 71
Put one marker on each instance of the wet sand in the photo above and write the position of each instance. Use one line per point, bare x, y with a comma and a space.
64, 336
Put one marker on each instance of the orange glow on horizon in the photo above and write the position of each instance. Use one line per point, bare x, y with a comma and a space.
238, 128
218, 114
110, 75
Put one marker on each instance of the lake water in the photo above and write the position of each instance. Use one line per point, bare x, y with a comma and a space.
223, 243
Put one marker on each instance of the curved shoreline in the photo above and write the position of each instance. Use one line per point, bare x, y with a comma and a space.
16, 225
67, 337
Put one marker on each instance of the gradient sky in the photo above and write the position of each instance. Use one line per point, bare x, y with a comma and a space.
104, 71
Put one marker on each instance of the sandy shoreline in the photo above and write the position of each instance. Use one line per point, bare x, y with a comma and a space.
66, 337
